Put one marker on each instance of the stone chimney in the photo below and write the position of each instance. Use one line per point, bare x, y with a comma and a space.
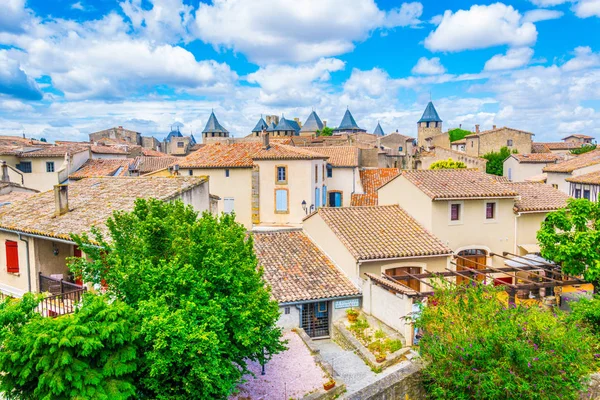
61, 199
324, 124
265, 139
494, 127
477, 128
5, 177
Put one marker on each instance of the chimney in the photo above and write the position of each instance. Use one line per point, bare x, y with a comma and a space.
494, 127
459, 126
477, 128
265, 139
61, 199
324, 124
5, 177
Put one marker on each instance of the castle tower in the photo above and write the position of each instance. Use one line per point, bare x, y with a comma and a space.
429, 125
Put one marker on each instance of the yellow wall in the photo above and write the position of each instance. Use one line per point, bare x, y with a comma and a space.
16, 284
527, 227
408, 196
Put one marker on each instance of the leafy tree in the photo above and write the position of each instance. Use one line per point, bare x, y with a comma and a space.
571, 238
91, 354
496, 160
326, 131
43, 140
458, 134
448, 164
203, 307
584, 149
587, 311
477, 348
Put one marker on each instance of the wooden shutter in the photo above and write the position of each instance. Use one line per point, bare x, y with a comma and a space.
455, 212
489, 211
12, 256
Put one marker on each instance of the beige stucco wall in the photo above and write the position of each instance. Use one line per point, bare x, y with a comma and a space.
237, 186
346, 180
431, 264
474, 231
494, 141
519, 172
324, 238
15, 284
527, 227
558, 178
389, 308
408, 196
46, 262
300, 185
198, 197
39, 179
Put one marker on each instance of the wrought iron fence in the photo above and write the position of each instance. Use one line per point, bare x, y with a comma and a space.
57, 286
61, 304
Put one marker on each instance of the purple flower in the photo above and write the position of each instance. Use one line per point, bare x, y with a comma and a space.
529, 365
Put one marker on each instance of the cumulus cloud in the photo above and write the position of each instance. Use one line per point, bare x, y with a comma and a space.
13, 16
514, 58
168, 21
584, 58
548, 3
541, 15
14, 81
481, 27
295, 30
427, 66
587, 8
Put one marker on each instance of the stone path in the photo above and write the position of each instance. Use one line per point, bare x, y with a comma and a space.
353, 370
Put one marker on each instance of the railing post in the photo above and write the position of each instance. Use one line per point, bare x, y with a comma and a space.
62, 290
40, 281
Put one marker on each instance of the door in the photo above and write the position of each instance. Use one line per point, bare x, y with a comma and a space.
335, 199
315, 319
471, 259
414, 284
77, 253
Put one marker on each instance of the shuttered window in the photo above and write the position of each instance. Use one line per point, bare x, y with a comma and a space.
317, 198
228, 205
490, 210
12, 256
455, 212
324, 196
281, 201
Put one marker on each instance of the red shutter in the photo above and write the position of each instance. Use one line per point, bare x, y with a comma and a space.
455, 212
12, 256
490, 210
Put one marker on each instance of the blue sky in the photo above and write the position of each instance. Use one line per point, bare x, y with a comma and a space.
68, 67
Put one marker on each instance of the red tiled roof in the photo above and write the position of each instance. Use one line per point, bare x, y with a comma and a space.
581, 161
153, 153
537, 197
558, 145
297, 270
339, 156
371, 180
107, 150
537, 158
101, 167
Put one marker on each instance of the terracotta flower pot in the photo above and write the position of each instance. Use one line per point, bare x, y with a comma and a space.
329, 385
380, 359
352, 317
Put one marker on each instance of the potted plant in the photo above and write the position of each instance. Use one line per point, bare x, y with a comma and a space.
330, 384
352, 314
380, 358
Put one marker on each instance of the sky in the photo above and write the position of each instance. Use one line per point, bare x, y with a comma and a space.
72, 67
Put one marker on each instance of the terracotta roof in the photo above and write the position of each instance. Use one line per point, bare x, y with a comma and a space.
91, 202
593, 178
578, 136
458, 183
153, 153
20, 141
242, 154
53, 151
482, 133
297, 270
101, 167
540, 148
10, 150
381, 232
150, 164
14, 196
540, 178
107, 150
339, 156
371, 180
581, 161
535, 158
538, 197
559, 145
393, 285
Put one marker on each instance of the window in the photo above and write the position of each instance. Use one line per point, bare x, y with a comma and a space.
335, 198
323, 172
281, 201
24, 166
577, 194
12, 257
228, 205
555, 186
324, 202
510, 174
472, 142
509, 142
490, 210
329, 171
180, 144
281, 171
586, 194
190, 172
455, 212
226, 173
287, 310
49, 166
317, 198
400, 148
316, 173
322, 306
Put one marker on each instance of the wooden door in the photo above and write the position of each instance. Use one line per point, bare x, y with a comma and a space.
470, 260
414, 284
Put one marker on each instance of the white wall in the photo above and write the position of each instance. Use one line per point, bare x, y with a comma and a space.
519, 172
291, 320
346, 180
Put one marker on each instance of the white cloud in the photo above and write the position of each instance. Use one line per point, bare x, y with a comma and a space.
549, 3
13, 15
14, 81
584, 59
481, 27
295, 30
426, 66
587, 8
541, 15
514, 58
168, 21
77, 6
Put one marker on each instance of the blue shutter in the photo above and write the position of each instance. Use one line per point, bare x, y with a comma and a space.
324, 196
317, 198
281, 200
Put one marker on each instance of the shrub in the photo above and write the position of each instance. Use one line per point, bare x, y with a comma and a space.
448, 164
495, 164
458, 134
583, 149
478, 348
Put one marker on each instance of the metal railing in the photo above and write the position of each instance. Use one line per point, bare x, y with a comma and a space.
56, 286
61, 304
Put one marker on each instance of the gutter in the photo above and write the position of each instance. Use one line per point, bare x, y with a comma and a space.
27, 262
35, 236
474, 198
300, 302
404, 258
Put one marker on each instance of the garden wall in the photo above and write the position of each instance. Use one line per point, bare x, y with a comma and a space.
404, 384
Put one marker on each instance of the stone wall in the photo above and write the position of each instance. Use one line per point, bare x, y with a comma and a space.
495, 139
424, 131
444, 154
404, 384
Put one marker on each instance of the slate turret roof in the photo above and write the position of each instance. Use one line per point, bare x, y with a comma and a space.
378, 130
271, 127
313, 123
260, 125
172, 134
213, 125
348, 122
287, 125
430, 114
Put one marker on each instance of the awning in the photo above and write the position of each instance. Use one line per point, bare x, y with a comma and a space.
528, 260
530, 248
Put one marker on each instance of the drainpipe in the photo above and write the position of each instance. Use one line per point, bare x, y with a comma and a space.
27, 262
516, 239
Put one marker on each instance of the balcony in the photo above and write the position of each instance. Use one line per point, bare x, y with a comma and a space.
62, 298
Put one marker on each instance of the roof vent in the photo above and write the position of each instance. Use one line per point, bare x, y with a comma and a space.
61, 199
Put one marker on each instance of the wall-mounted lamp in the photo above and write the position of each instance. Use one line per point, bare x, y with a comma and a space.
304, 205
55, 249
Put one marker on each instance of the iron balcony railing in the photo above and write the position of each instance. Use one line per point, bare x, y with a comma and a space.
64, 296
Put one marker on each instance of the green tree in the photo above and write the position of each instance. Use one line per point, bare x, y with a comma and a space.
203, 306
448, 164
458, 134
478, 348
584, 149
496, 160
571, 237
91, 354
326, 131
